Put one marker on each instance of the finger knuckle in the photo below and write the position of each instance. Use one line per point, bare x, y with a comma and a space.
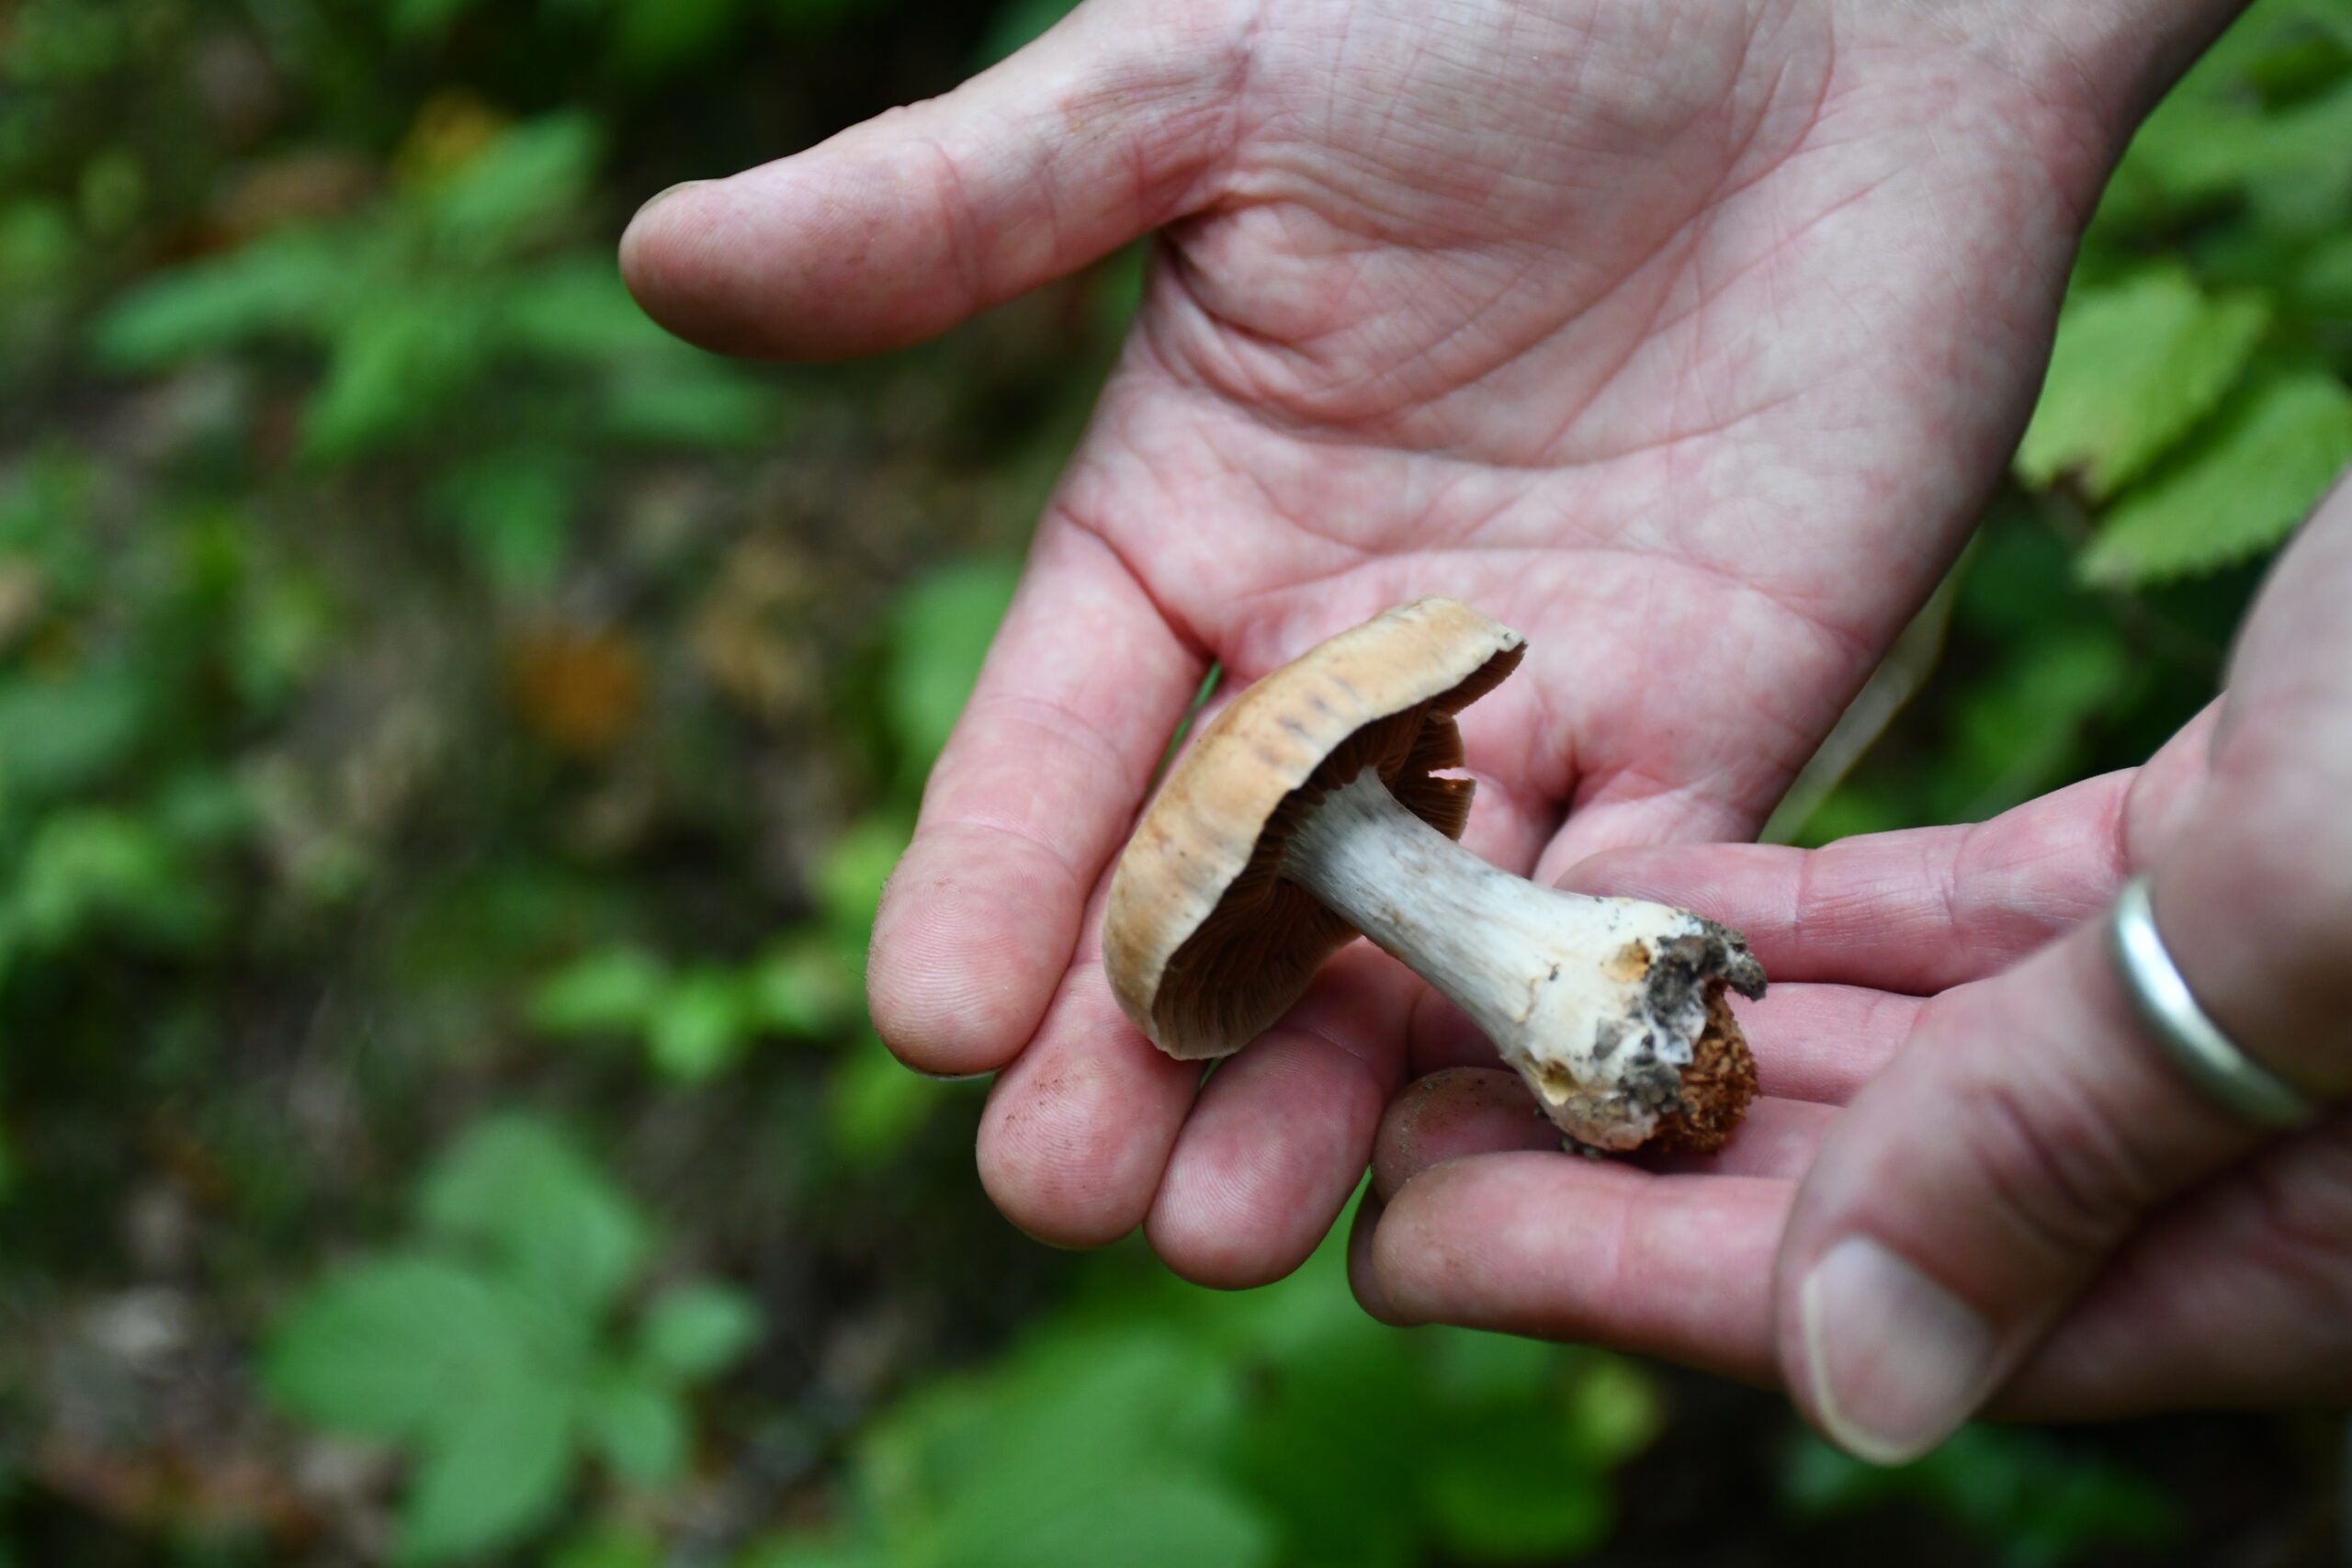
2060, 1170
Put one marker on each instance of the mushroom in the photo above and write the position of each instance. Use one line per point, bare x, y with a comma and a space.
1314, 808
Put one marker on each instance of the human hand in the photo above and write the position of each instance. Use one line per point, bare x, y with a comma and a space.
2024, 1200
1684, 336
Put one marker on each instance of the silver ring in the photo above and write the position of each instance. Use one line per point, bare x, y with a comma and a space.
2194, 1042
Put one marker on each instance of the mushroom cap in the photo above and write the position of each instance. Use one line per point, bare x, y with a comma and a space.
1206, 944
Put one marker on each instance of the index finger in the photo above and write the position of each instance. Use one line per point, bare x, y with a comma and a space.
1036, 787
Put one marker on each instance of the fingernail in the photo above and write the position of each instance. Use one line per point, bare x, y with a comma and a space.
664, 194
1895, 1361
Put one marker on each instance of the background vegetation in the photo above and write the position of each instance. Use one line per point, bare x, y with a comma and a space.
446, 763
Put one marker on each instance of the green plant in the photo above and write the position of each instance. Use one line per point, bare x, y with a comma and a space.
696, 1021
459, 316
2036, 1504
484, 1349
2196, 399
1277, 1426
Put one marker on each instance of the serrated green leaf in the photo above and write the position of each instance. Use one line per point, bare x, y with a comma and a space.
641, 1429
697, 1330
2136, 367
2238, 490
613, 990
493, 1470
380, 1348
520, 1192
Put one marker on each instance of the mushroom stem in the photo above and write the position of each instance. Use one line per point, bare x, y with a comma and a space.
1600, 1003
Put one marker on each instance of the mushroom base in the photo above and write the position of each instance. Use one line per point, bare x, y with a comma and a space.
1612, 1008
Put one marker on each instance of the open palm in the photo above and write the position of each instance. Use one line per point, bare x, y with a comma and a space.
1683, 336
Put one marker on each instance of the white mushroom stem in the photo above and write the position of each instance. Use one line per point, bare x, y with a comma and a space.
1599, 1002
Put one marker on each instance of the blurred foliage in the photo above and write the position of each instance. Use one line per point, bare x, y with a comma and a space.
482, 1348
2040, 1505
453, 736
2197, 406
1191, 1427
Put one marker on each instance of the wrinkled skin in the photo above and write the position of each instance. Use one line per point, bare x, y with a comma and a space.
1685, 336
1951, 1068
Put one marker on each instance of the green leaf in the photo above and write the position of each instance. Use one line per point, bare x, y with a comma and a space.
516, 189
1512, 1472
1503, 1503
513, 512
296, 284
804, 989
1160, 1518
697, 1330
1085, 1438
493, 1470
2325, 280
656, 36
2134, 367
805, 1553
684, 398
578, 311
1614, 1410
2239, 490
521, 1192
641, 1429
2040, 1505
395, 367
85, 869
699, 1028
940, 631
875, 1102
379, 1348
613, 990
849, 878
427, 16
58, 736
1343, 1502
607, 1546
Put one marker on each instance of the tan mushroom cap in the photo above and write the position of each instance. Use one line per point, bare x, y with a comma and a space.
1204, 944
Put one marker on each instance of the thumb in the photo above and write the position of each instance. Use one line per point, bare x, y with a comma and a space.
897, 228
1977, 1184
1973, 1188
